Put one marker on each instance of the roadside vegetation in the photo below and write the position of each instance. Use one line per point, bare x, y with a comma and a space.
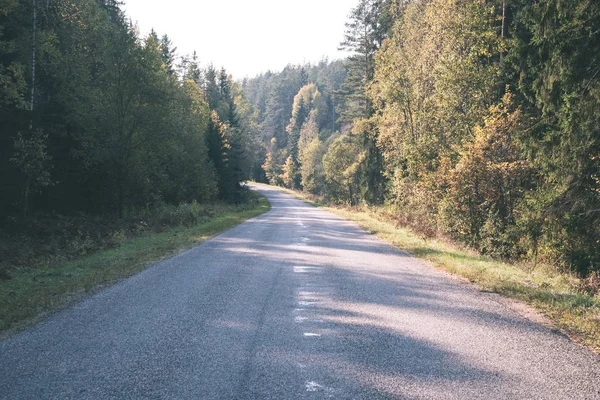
571, 303
71, 257
473, 120
115, 151
472, 124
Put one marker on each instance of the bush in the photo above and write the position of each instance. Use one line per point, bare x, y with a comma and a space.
414, 205
487, 184
44, 239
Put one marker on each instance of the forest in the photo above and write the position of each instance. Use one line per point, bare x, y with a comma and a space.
476, 120
473, 120
106, 134
97, 119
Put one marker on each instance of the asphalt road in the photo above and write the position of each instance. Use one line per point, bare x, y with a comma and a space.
294, 304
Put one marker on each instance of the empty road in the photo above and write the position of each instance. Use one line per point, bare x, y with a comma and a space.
294, 304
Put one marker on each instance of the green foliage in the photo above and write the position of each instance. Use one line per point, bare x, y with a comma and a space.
368, 25
554, 62
512, 176
299, 109
289, 107
342, 164
434, 80
228, 140
312, 171
123, 125
290, 175
487, 185
272, 169
12, 74
366, 29
12, 82
371, 176
32, 159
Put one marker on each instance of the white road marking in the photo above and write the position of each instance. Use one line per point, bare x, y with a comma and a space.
301, 269
307, 293
312, 334
308, 303
313, 386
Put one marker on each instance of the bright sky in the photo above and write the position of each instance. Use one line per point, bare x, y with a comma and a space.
247, 37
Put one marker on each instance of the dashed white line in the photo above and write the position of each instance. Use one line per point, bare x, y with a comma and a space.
300, 269
313, 386
308, 303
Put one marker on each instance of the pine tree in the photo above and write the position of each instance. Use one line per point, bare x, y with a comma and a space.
192, 70
368, 27
168, 52
365, 31
555, 64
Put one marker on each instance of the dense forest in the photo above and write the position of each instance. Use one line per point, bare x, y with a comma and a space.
477, 120
97, 119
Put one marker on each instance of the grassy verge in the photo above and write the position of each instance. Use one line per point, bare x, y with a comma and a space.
555, 294
34, 291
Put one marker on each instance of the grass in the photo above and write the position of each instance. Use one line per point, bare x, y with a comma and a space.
555, 294
35, 291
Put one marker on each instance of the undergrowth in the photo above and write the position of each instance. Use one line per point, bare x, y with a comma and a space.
46, 239
53, 260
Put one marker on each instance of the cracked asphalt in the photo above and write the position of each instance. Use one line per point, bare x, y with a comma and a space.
294, 304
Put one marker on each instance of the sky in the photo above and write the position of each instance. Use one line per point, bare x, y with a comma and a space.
247, 37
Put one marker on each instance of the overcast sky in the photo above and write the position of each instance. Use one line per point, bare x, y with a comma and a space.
247, 37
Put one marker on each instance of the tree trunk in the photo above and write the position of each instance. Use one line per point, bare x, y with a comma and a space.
502, 32
26, 191
121, 191
33, 61
503, 17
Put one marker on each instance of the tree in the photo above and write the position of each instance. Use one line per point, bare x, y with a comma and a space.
123, 110
272, 170
12, 74
211, 90
101, 114
227, 139
32, 159
307, 105
186, 173
192, 70
342, 164
372, 179
435, 79
487, 185
554, 64
365, 31
168, 52
311, 167
216, 141
250, 130
290, 175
